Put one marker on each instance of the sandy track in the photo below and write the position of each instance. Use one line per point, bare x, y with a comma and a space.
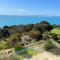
44, 56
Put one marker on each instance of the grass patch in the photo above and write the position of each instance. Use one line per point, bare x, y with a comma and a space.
56, 31
32, 52
28, 54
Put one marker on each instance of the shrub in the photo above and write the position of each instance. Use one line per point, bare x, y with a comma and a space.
18, 47
5, 33
43, 26
35, 34
13, 39
54, 36
49, 45
9, 57
3, 45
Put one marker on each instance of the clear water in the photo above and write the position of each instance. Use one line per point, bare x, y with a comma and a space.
16, 20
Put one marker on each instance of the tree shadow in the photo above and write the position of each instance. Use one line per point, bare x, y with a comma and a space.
24, 53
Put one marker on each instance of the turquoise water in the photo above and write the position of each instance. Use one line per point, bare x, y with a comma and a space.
16, 20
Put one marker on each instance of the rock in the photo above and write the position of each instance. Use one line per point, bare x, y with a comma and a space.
26, 39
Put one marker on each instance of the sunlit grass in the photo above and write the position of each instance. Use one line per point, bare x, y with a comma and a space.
56, 31
32, 52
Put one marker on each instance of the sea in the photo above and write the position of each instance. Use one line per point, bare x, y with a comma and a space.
8, 20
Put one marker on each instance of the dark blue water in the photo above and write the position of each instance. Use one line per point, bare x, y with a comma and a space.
16, 20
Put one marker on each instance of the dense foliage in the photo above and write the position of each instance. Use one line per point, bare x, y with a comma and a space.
17, 36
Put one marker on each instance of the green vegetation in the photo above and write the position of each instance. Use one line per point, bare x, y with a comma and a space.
11, 35
18, 47
49, 45
32, 52
27, 54
55, 30
3, 45
19, 36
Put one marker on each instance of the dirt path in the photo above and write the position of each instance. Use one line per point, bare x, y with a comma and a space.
44, 56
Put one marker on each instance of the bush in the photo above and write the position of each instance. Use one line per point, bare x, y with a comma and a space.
43, 26
54, 36
18, 47
35, 34
49, 45
58, 41
9, 57
13, 39
3, 45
